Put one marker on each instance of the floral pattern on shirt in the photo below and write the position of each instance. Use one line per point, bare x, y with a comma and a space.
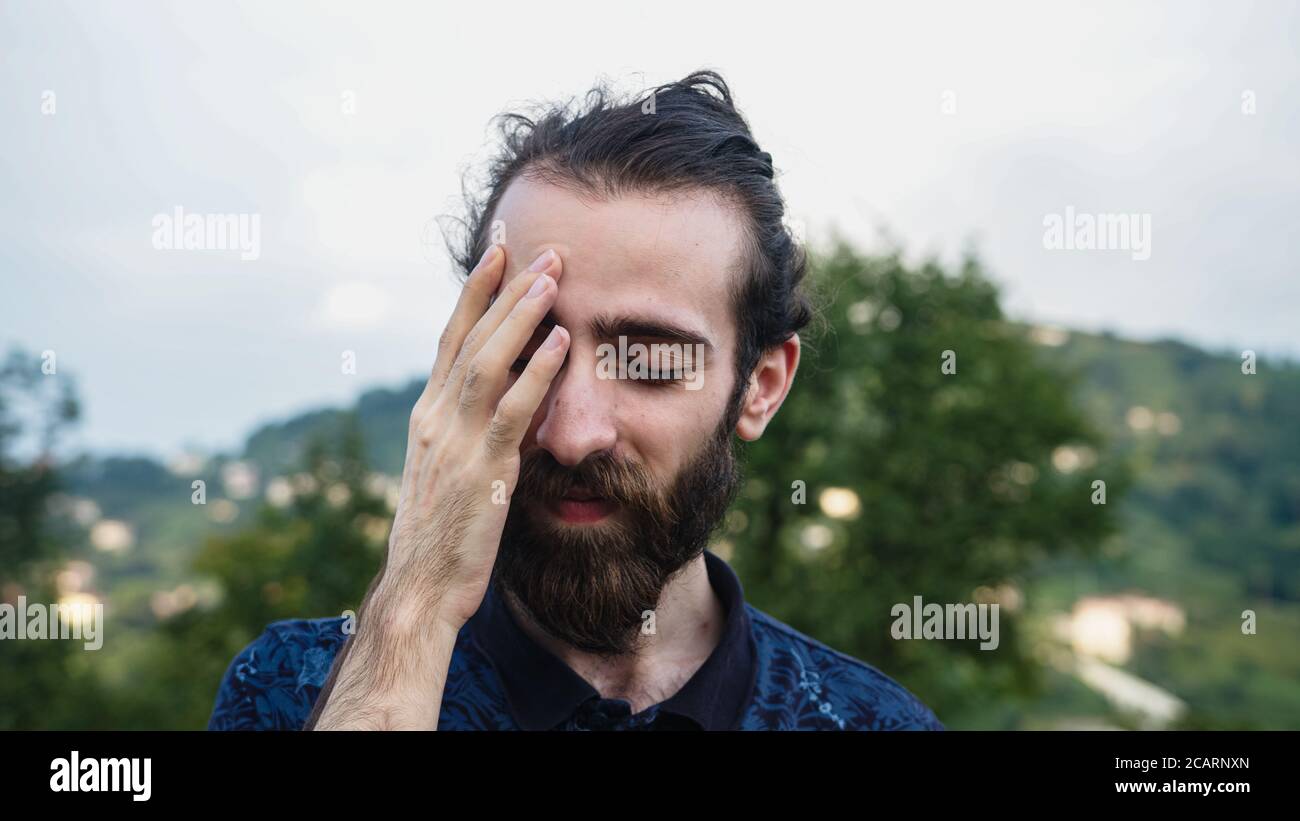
800, 684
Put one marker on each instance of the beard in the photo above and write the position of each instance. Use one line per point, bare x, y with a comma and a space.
589, 585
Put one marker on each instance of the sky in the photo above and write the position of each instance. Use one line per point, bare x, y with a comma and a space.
345, 129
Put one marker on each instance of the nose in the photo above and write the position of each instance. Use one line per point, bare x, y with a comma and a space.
579, 413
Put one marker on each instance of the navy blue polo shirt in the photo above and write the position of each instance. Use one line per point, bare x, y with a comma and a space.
763, 675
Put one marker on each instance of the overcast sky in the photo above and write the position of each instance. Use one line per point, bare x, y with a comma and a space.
346, 127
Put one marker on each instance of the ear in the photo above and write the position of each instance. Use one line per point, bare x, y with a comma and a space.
768, 386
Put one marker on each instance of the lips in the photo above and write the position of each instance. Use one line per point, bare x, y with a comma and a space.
582, 506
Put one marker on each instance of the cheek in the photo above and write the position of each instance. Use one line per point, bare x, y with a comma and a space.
665, 428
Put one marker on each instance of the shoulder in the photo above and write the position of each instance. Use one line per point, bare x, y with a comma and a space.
804, 684
273, 682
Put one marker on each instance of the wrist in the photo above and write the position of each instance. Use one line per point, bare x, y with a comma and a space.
403, 617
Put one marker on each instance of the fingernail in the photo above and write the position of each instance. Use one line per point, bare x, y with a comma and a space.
539, 285
543, 262
554, 339
489, 255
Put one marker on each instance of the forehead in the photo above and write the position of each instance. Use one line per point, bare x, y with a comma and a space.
670, 256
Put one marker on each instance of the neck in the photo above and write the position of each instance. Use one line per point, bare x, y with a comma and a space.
689, 622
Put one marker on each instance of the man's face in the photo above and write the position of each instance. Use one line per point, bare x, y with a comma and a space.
622, 478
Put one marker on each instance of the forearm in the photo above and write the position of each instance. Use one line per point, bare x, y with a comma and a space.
391, 673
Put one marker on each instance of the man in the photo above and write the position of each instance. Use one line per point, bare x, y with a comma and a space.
547, 566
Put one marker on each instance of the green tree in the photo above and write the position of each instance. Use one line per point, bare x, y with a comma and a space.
313, 558
44, 684
919, 482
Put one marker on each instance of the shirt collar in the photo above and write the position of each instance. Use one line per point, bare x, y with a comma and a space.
543, 692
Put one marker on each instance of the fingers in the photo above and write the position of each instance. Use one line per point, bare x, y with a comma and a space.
548, 264
485, 377
475, 297
515, 411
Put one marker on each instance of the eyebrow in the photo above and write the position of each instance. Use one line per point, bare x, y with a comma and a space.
607, 327
610, 327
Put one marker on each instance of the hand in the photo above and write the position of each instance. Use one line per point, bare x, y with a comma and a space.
462, 454
464, 438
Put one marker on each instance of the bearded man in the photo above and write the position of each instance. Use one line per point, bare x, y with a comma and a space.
548, 565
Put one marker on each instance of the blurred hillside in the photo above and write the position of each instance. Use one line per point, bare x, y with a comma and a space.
973, 486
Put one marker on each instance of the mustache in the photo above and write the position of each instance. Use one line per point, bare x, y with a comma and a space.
543, 478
